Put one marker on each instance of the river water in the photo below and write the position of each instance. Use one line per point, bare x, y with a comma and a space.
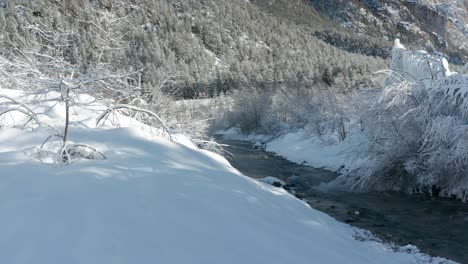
437, 226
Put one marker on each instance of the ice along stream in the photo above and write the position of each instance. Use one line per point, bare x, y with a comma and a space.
436, 226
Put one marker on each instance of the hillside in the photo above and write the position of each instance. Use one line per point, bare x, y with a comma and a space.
155, 201
209, 47
433, 25
203, 47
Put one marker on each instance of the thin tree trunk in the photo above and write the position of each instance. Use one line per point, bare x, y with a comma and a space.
67, 117
65, 157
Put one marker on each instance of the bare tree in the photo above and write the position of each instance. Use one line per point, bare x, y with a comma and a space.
47, 70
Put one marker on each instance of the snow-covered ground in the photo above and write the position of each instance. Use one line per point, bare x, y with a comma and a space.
156, 201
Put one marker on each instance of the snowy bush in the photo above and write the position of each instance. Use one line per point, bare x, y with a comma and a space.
316, 109
196, 117
416, 131
51, 80
252, 111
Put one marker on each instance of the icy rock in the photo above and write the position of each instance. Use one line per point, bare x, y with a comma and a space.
409, 249
259, 144
273, 181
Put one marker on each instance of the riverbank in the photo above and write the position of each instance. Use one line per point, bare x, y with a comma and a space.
301, 147
436, 226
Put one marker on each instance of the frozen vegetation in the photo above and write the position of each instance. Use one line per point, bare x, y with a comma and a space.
408, 136
415, 130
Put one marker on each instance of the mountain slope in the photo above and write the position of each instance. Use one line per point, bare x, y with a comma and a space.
206, 47
434, 25
210, 47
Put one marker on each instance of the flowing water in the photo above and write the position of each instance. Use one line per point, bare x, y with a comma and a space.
437, 226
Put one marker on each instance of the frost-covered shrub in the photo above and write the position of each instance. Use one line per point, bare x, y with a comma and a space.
299, 106
196, 117
464, 70
315, 109
252, 111
416, 131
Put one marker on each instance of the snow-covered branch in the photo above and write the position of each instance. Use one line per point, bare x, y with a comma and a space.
136, 109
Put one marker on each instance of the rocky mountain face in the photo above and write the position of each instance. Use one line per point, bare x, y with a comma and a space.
434, 25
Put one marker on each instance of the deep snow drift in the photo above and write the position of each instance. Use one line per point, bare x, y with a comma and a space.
156, 201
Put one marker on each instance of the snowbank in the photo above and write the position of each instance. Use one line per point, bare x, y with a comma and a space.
234, 133
303, 148
156, 201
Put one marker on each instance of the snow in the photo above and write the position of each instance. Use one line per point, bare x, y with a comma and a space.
259, 144
465, 69
218, 61
271, 180
304, 148
301, 147
244, 38
417, 66
395, 13
397, 45
155, 201
234, 133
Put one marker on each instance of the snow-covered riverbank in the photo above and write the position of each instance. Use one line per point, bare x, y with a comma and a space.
302, 147
153, 200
